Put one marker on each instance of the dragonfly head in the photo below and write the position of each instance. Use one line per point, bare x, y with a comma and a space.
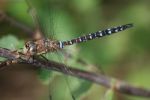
30, 48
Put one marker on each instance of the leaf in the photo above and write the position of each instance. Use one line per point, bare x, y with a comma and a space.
109, 95
10, 42
44, 75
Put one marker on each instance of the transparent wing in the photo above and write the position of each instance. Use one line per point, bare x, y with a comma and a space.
42, 14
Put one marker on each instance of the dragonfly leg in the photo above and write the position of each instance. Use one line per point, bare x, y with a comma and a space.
44, 58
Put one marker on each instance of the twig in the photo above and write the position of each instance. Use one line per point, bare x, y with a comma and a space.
117, 85
6, 53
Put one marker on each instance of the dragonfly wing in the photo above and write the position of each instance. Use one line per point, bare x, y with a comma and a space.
42, 14
36, 20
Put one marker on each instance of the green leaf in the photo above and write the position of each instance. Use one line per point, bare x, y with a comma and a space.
44, 75
10, 42
109, 95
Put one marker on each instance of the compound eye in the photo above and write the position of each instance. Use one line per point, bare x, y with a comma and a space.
26, 45
32, 48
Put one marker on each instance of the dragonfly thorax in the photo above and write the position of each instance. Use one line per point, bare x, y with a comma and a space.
40, 46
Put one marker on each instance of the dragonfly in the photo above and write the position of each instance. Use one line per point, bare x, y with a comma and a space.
39, 44
46, 45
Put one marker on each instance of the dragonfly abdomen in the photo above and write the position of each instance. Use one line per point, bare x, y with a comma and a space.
95, 35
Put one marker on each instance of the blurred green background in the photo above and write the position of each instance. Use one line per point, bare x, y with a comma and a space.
124, 55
